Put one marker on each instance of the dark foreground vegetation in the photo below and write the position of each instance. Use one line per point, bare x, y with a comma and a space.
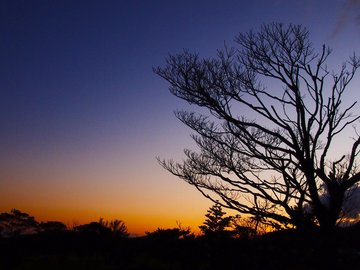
225, 242
84, 250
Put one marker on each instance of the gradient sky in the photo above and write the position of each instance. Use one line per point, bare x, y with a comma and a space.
83, 117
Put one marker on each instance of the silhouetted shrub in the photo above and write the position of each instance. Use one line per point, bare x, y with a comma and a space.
52, 226
92, 228
169, 234
17, 223
116, 226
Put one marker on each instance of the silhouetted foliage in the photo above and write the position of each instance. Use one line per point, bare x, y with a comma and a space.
93, 228
116, 226
17, 223
52, 226
244, 228
171, 234
216, 222
274, 114
90, 249
102, 227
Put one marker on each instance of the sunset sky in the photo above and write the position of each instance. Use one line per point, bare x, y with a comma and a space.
83, 117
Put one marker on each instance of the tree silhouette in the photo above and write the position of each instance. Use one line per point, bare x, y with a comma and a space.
116, 226
245, 227
93, 228
266, 145
17, 223
171, 234
52, 226
168, 234
215, 222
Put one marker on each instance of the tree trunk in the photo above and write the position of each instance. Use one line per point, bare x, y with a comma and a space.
330, 213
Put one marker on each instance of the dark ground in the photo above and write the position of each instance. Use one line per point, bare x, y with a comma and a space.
282, 250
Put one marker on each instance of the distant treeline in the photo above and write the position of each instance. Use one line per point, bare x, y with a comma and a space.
17, 223
216, 224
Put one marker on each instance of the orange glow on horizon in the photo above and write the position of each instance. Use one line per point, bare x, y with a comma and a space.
137, 224
145, 202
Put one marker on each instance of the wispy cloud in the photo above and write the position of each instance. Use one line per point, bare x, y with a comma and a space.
349, 14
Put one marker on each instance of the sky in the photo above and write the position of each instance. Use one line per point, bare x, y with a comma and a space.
83, 117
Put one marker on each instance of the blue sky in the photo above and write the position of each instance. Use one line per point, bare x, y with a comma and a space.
83, 116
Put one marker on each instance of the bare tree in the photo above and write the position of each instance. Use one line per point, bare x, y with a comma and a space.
273, 112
